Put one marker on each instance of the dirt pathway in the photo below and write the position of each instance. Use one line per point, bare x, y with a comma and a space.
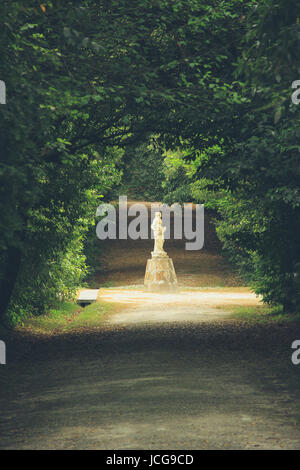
183, 307
123, 261
162, 372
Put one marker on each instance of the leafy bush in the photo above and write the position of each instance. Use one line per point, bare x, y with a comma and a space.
176, 182
142, 172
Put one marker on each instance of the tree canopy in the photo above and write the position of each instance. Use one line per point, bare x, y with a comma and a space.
88, 81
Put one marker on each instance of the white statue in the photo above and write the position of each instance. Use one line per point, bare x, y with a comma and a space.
159, 231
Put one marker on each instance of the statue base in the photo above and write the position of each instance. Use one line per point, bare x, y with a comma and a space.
160, 274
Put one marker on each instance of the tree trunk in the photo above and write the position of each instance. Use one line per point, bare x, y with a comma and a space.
10, 273
288, 305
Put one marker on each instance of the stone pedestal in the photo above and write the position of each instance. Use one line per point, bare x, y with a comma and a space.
160, 274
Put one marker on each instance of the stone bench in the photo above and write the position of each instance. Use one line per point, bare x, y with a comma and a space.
87, 296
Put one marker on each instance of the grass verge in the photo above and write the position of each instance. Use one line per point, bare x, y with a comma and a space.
262, 314
68, 318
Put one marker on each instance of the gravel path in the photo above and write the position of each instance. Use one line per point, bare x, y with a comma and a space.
157, 376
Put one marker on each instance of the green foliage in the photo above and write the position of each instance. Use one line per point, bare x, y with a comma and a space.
176, 183
88, 82
51, 174
142, 169
93, 252
248, 163
44, 285
263, 164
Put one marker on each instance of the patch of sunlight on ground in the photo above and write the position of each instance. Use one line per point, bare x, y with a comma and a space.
212, 297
